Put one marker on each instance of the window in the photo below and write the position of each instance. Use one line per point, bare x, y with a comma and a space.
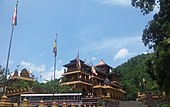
36, 98
29, 98
71, 98
63, 98
56, 97
47, 98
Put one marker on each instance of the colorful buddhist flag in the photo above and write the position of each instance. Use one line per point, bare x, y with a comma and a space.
80, 76
60, 80
78, 64
14, 18
89, 77
55, 48
93, 70
110, 70
85, 77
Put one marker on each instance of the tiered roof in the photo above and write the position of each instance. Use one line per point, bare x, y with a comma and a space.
74, 61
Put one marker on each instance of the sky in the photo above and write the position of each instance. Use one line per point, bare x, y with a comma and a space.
109, 30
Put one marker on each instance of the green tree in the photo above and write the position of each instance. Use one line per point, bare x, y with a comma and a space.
52, 86
156, 35
2, 70
132, 74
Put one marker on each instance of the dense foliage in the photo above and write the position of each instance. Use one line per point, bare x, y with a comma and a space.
134, 77
156, 35
19, 84
1, 75
50, 87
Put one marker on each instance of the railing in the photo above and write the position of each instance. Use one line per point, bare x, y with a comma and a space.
83, 80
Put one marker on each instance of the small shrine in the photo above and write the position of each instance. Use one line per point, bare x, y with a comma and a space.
19, 83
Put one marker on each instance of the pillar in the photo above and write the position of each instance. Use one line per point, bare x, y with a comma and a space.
54, 104
73, 105
64, 104
42, 104
79, 105
25, 103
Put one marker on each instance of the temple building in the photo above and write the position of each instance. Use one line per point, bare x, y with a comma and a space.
19, 83
95, 82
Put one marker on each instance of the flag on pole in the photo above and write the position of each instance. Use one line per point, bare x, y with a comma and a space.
85, 77
93, 70
89, 77
14, 18
80, 76
110, 70
60, 80
55, 48
78, 64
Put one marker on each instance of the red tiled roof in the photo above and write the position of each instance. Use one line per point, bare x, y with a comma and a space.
101, 63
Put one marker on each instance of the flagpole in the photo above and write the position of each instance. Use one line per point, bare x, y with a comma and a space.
78, 79
9, 50
78, 87
92, 87
55, 54
54, 66
78, 65
10, 43
91, 63
54, 77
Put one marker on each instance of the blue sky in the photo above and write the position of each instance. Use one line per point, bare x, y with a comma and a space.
99, 29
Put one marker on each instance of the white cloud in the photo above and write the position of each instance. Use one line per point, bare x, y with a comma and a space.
60, 61
94, 58
156, 8
26, 64
33, 67
47, 76
122, 53
9, 63
148, 51
117, 2
111, 43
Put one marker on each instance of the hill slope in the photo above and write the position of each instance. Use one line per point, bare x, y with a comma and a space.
134, 77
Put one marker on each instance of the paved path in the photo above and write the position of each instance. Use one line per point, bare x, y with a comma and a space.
125, 104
